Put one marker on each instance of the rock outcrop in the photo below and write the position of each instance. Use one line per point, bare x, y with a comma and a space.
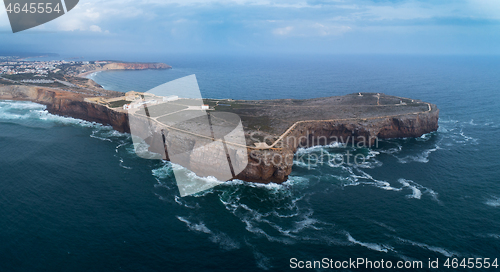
264, 165
67, 104
134, 66
85, 69
274, 165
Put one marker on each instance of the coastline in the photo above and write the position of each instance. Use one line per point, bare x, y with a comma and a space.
88, 69
88, 74
317, 123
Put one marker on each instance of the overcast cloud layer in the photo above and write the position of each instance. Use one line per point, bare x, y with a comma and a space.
422, 27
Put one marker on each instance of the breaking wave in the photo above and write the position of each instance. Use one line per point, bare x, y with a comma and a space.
422, 157
493, 202
417, 189
372, 246
222, 239
24, 110
443, 251
31, 114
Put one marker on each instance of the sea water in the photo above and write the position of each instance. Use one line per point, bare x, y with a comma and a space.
75, 197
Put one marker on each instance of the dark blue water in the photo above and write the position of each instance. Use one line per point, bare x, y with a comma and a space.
75, 197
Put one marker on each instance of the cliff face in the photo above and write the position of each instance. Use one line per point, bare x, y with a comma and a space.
67, 104
275, 165
83, 70
90, 112
264, 166
135, 66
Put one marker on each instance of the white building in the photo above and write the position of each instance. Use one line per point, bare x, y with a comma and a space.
170, 98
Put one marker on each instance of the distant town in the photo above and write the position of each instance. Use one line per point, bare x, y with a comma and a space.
10, 66
58, 74
65, 75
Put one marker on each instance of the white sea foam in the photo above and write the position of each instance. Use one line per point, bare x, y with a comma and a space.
303, 164
364, 178
163, 172
263, 262
425, 137
305, 223
93, 135
316, 148
166, 172
164, 184
448, 121
92, 75
141, 149
416, 191
120, 145
184, 203
356, 176
123, 166
422, 157
199, 227
491, 124
393, 150
384, 226
372, 154
251, 227
336, 160
222, 239
286, 223
191, 184
452, 132
296, 180
312, 157
116, 134
370, 164
22, 110
493, 202
270, 186
495, 236
433, 195
24, 105
443, 251
467, 138
372, 246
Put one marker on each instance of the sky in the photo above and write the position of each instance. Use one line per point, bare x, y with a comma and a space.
265, 27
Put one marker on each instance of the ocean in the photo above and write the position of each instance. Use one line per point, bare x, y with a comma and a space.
75, 197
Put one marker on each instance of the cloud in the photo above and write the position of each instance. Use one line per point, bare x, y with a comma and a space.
276, 3
222, 25
95, 28
4, 20
487, 9
323, 30
346, 15
84, 17
283, 31
311, 29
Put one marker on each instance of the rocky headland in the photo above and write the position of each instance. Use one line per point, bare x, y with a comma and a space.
273, 128
86, 69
